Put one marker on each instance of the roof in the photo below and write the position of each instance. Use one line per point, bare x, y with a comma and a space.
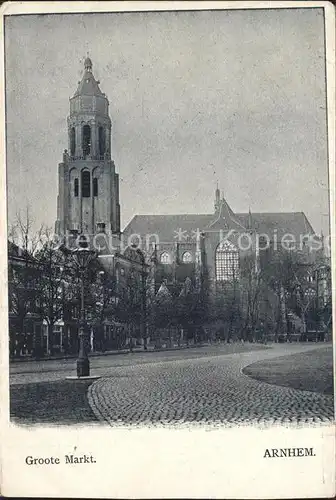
88, 85
167, 227
16, 252
295, 223
17, 256
13, 249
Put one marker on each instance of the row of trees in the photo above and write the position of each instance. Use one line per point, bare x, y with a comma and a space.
44, 285
280, 297
39, 277
281, 300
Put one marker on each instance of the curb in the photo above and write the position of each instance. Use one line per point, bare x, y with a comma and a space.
107, 353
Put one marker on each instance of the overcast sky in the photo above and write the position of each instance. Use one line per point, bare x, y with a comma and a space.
195, 97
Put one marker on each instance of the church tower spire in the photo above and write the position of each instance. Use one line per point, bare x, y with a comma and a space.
249, 221
217, 198
88, 198
88, 64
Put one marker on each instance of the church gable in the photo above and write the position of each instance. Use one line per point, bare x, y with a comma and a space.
225, 218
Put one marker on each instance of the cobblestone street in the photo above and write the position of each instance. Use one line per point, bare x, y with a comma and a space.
26, 372
185, 387
210, 390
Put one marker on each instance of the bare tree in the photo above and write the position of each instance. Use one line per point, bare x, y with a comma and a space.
55, 276
251, 287
23, 274
131, 305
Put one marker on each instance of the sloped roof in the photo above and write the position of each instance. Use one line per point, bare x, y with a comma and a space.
13, 249
225, 218
163, 292
88, 86
295, 223
167, 226
17, 253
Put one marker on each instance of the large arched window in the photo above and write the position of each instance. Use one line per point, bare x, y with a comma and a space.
227, 262
117, 274
86, 140
187, 258
72, 141
95, 186
165, 258
101, 141
76, 187
86, 181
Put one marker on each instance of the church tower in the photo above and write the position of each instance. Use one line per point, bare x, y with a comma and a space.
88, 189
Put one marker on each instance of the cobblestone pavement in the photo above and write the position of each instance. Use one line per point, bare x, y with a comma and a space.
210, 390
27, 372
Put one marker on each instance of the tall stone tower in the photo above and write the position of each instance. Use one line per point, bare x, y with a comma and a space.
88, 186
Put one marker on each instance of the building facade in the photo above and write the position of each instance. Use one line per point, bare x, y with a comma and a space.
88, 192
24, 319
221, 253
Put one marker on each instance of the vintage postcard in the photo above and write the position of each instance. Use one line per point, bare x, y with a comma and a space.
168, 250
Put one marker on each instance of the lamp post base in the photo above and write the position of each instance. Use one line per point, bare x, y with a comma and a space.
83, 367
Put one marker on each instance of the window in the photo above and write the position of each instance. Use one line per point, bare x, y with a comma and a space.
72, 141
86, 140
117, 275
310, 293
101, 134
76, 189
165, 258
86, 184
95, 186
57, 335
187, 258
227, 262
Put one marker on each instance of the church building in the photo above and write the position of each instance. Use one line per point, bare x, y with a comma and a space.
196, 251
215, 244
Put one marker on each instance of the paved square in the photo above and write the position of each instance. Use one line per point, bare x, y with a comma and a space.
209, 389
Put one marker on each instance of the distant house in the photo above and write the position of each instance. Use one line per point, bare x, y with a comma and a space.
25, 325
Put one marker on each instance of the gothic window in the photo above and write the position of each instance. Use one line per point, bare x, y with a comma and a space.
165, 258
72, 141
95, 186
310, 293
227, 262
86, 192
76, 187
86, 140
101, 141
187, 258
117, 274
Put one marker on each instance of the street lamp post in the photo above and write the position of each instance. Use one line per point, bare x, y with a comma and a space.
82, 256
83, 363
